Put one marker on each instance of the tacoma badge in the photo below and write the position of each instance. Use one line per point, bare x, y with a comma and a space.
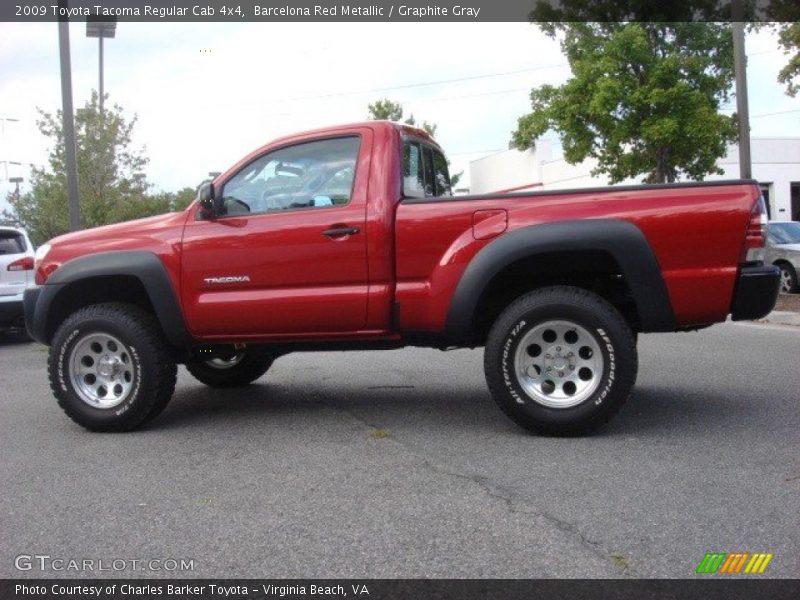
229, 279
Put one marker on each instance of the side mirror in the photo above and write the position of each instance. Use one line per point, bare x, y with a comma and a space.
205, 198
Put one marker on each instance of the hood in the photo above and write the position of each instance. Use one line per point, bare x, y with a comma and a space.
108, 237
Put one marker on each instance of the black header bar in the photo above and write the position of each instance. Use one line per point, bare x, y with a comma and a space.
406, 11
405, 589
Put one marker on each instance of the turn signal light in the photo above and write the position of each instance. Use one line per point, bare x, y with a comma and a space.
755, 236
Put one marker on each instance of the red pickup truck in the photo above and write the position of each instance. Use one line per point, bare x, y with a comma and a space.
350, 238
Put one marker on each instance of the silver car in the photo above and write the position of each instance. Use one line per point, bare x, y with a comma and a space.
783, 250
16, 274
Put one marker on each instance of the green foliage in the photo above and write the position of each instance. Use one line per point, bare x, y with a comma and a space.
789, 40
385, 110
112, 185
783, 16
388, 110
644, 98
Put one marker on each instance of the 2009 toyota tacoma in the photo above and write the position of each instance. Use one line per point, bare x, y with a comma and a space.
349, 238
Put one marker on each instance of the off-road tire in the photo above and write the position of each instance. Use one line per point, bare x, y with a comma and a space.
592, 315
252, 365
151, 361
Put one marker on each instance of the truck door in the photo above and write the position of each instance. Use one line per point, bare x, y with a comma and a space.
288, 255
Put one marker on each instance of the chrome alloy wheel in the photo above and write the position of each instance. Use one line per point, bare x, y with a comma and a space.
225, 363
559, 364
101, 370
787, 282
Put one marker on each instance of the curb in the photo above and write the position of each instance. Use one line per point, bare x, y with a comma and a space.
781, 317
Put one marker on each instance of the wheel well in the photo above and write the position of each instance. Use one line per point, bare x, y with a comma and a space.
783, 261
596, 271
96, 290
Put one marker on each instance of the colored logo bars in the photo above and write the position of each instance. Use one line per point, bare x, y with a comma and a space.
731, 563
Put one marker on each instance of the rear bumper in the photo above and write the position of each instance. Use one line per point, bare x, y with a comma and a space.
755, 293
11, 310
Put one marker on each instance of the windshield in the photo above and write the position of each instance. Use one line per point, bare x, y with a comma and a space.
785, 233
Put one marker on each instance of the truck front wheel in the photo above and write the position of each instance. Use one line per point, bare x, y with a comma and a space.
236, 371
560, 360
110, 367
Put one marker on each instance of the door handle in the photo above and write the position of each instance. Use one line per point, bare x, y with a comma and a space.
341, 231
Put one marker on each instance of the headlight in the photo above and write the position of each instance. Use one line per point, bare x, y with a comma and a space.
41, 252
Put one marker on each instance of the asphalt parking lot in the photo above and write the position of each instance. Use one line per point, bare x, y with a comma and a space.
398, 464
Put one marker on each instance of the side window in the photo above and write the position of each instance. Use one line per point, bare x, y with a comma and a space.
442, 174
309, 175
430, 187
425, 172
413, 176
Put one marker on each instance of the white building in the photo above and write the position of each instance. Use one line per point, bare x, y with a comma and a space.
776, 166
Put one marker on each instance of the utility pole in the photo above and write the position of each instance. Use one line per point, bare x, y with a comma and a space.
68, 122
95, 27
742, 109
100, 75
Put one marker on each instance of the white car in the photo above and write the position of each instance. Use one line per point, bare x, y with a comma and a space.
16, 274
783, 250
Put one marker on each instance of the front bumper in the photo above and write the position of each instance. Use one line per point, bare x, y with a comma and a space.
755, 293
11, 311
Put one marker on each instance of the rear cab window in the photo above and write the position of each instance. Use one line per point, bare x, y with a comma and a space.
425, 171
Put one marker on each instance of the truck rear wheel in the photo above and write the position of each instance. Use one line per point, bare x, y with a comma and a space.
110, 367
560, 360
236, 371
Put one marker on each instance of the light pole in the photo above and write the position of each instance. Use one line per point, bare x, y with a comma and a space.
5, 120
742, 108
16, 181
100, 29
10, 162
68, 122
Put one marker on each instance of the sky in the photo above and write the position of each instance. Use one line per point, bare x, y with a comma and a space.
207, 94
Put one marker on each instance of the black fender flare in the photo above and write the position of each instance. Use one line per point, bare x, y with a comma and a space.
144, 266
623, 240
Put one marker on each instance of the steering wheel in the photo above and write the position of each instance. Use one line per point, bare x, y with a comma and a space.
238, 207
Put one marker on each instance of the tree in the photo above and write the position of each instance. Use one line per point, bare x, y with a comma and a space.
785, 15
789, 40
182, 198
644, 97
389, 110
112, 183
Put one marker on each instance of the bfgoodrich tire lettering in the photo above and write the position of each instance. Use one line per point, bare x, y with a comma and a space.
147, 362
582, 392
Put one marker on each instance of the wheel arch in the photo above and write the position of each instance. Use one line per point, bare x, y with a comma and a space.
135, 277
612, 248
